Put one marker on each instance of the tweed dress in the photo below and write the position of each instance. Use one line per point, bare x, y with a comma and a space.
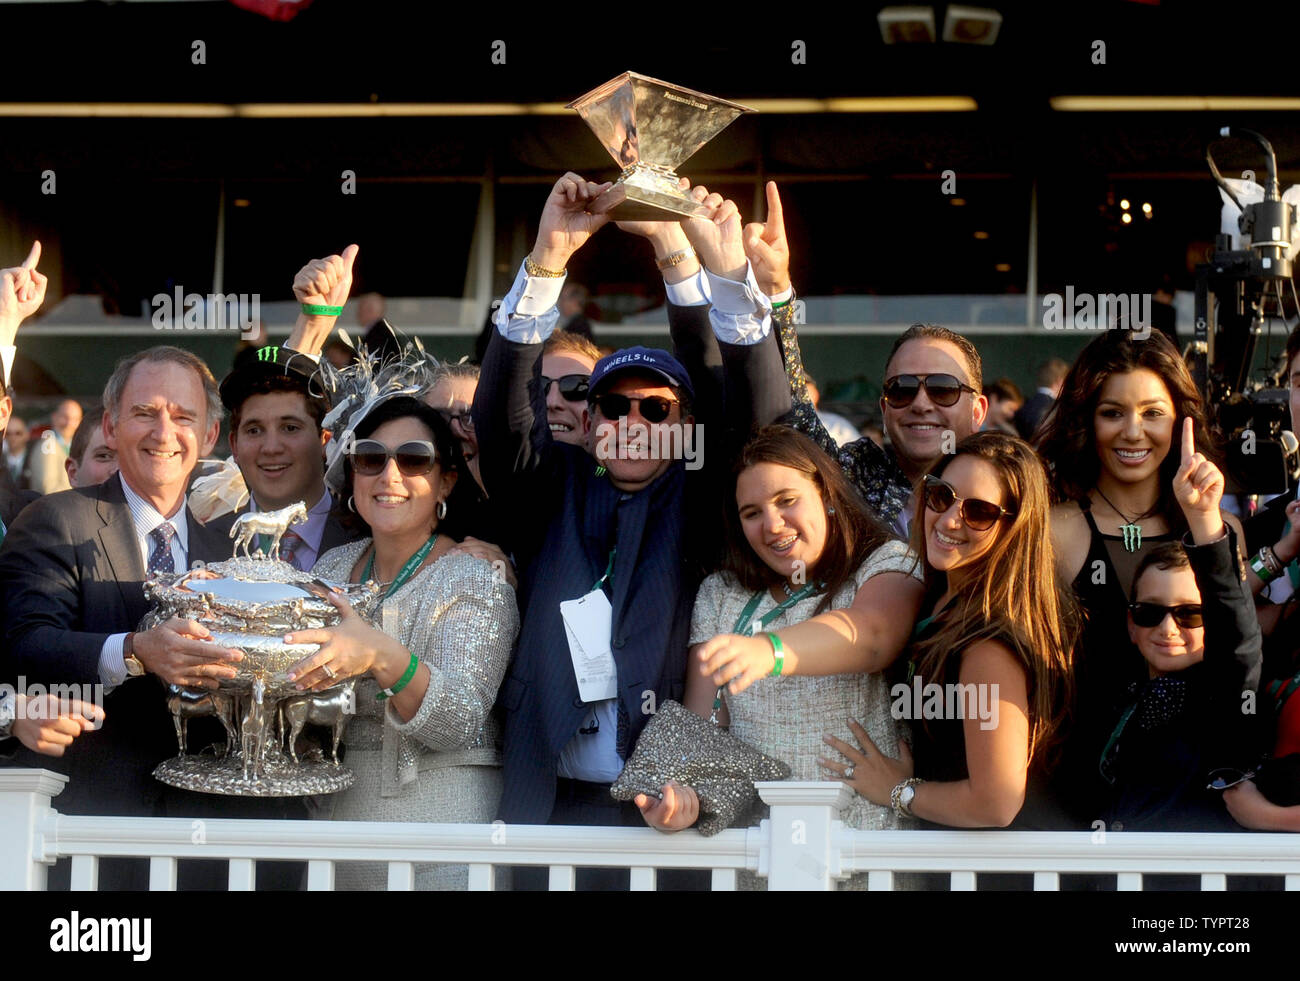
444, 765
786, 717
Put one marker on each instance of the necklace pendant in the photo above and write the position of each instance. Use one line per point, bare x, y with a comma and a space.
1132, 536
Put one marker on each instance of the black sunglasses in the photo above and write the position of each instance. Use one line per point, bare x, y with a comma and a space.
463, 416
1225, 778
1153, 614
414, 458
978, 515
573, 388
901, 390
654, 408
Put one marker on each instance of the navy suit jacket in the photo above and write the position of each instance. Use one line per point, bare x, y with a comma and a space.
561, 518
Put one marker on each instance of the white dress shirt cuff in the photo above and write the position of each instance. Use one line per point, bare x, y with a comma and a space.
315, 358
693, 292
783, 297
7, 352
112, 667
528, 314
741, 312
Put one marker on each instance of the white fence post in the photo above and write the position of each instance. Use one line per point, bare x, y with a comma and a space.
25, 797
800, 848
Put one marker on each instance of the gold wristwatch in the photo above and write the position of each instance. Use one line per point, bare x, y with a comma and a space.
134, 666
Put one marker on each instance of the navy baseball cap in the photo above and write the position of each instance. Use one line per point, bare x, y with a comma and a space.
640, 360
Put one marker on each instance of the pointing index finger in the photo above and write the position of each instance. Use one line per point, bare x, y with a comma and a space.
1189, 439
775, 217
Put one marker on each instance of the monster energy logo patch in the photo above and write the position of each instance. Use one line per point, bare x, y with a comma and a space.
268, 353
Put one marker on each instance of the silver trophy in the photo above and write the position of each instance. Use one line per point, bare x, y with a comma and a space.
650, 127
250, 603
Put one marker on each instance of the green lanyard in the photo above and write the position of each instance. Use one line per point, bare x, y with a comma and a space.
408, 570
745, 624
608, 571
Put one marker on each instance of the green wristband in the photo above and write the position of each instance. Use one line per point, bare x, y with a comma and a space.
402, 682
1260, 569
778, 652
321, 310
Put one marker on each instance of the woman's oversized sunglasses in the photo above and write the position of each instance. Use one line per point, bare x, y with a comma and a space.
901, 390
976, 514
415, 458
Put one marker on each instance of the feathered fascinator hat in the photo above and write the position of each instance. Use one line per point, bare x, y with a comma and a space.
356, 390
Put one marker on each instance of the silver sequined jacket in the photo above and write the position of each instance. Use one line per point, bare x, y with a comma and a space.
461, 620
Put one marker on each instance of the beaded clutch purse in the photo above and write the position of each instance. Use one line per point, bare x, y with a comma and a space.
679, 745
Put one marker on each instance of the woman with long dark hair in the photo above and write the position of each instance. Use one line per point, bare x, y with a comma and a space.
1110, 444
995, 645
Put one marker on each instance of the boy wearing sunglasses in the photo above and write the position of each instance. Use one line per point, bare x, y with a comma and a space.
1192, 620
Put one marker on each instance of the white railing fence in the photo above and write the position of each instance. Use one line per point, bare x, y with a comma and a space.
801, 846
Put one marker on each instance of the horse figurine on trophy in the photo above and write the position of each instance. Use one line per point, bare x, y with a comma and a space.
273, 523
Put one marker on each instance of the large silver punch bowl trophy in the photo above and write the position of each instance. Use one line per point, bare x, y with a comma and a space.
250, 602
650, 128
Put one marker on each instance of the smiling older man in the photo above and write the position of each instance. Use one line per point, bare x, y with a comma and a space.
72, 570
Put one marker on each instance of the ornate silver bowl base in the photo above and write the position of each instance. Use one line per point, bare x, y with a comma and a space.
280, 777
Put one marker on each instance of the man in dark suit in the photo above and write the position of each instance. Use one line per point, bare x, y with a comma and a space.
1051, 375
277, 441
643, 529
72, 569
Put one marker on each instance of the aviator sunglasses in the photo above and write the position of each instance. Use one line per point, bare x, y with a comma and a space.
976, 514
1153, 614
573, 388
654, 408
901, 390
415, 458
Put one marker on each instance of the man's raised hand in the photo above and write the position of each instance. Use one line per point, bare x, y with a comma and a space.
767, 248
22, 291
717, 236
327, 281
574, 211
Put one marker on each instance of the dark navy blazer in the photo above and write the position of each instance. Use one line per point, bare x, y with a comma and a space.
562, 518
